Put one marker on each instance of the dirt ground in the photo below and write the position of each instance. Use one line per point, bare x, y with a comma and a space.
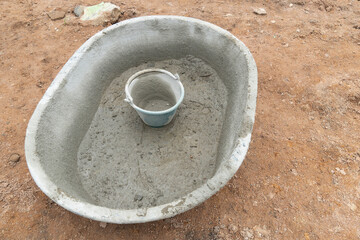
301, 176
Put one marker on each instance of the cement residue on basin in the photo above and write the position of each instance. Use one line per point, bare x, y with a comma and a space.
125, 164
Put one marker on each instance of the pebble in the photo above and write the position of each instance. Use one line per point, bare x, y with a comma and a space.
352, 206
271, 195
79, 10
4, 184
259, 11
56, 15
293, 171
103, 224
262, 230
340, 171
138, 197
216, 229
273, 21
247, 234
232, 228
14, 158
278, 210
102, 13
328, 8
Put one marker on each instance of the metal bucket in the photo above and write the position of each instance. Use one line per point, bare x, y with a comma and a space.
155, 94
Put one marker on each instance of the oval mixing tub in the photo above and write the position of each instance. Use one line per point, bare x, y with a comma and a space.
90, 153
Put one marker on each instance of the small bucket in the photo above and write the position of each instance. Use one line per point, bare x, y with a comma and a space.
155, 94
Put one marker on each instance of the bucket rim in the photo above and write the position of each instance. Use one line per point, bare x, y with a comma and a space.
156, 113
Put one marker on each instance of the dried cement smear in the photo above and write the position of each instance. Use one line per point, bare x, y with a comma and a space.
125, 164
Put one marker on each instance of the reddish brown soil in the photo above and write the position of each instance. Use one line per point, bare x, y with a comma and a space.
300, 179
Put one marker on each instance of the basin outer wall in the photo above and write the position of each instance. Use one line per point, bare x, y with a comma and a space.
225, 171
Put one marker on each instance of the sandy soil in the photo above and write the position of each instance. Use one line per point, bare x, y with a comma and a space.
300, 179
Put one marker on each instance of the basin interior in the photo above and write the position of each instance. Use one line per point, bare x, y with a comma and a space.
96, 149
123, 163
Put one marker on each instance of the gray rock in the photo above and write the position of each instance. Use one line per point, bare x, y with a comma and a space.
79, 10
138, 198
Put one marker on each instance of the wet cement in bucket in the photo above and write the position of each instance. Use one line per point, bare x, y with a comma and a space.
125, 164
152, 93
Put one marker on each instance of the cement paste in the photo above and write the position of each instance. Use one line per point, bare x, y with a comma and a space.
126, 164
152, 93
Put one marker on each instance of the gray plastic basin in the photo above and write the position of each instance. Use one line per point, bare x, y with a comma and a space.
66, 111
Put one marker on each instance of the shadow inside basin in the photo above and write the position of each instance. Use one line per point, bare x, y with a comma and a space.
126, 164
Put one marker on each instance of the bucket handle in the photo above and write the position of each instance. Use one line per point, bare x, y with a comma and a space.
128, 98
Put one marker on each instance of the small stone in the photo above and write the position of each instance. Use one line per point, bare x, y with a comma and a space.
273, 21
4, 184
56, 15
138, 198
291, 5
271, 195
259, 11
352, 206
327, 55
216, 229
262, 230
103, 224
101, 14
247, 233
79, 10
278, 210
328, 8
293, 171
340, 171
14, 159
297, 30
232, 228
